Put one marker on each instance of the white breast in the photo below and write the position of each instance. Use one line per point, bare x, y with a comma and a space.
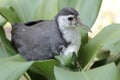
72, 35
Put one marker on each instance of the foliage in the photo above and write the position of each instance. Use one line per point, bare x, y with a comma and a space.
106, 44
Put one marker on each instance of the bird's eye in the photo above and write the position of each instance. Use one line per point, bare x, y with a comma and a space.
70, 18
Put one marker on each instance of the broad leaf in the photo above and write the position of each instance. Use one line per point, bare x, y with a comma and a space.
45, 68
2, 21
107, 72
4, 3
65, 60
23, 8
19, 11
45, 9
5, 45
114, 49
17, 65
12, 68
3, 52
9, 14
68, 62
109, 34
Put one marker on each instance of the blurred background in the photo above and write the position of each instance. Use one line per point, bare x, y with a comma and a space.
109, 13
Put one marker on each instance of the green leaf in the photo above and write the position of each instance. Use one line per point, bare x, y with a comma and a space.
107, 72
34, 10
17, 58
2, 21
5, 45
45, 9
45, 68
3, 52
114, 48
10, 72
65, 60
4, 3
9, 15
17, 65
109, 34
68, 61
24, 11
12, 68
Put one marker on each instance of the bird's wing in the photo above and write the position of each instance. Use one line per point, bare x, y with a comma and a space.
31, 23
36, 40
31, 41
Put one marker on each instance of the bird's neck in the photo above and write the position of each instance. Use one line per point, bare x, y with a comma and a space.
72, 36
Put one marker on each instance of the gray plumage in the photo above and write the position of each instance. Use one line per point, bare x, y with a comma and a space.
43, 39
37, 40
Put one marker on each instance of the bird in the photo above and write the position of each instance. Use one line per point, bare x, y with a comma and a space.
44, 39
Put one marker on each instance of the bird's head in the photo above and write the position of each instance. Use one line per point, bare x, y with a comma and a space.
69, 17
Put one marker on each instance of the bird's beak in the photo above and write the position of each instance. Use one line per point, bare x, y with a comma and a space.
83, 25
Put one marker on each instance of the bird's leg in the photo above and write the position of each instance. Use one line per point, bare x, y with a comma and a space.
76, 62
79, 68
62, 49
